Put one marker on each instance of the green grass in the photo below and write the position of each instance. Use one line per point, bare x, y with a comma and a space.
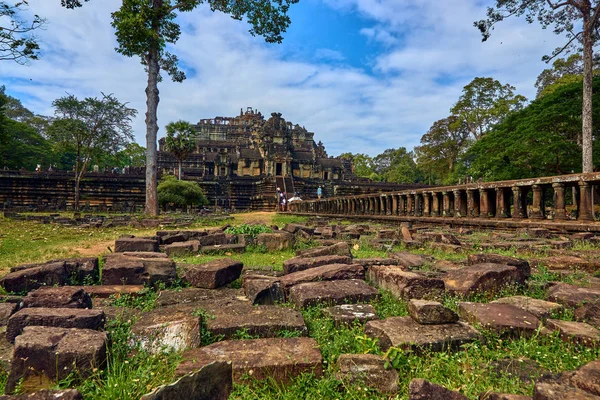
281, 219
251, 260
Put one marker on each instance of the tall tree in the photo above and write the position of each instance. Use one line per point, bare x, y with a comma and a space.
17, 42
484, 103
567, 16
397, 165
362, 164
88, 127
145, 27
180, 141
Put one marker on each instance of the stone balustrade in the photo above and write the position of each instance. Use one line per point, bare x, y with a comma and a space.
533, 199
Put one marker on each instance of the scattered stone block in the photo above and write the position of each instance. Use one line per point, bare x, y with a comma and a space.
281, 359
197, 296
144, 254
430, 312
587, 378
135, 244
369, 262
172, 328
573, 296
6, 310
295, 228
214, 239
262, 289
409, 260
483, 258
349, 313
44, 355
566, 262
368, 369
337, 249
223, 248
174, 238
420, 389
406, 333
502, 318
58, 297
582, 236
523, 368
68, 394
123, 270
106, 291
577, 332
182, 249
301, 263
330, 272
24, 280
53, 317
540, 308
332, 292
503, 396
555, 391
213, 274
405, 284
277, 241
406, 235
480, 278
212, 382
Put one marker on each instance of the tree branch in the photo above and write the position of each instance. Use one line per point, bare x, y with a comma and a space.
556, 53
564, 3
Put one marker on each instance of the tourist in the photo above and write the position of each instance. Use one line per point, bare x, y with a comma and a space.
278, 198
283, 201
319, 192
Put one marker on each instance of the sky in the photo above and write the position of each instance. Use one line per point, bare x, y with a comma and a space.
363, 75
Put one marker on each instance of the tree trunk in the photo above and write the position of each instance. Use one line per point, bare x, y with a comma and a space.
179, 170
151, 133
586, 113
77, 179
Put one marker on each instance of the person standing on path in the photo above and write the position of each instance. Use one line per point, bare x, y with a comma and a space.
319, 192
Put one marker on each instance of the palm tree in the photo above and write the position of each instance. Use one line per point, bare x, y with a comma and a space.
180, 140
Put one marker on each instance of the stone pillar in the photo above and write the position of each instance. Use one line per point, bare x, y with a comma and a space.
502, 203
519, 202
418, 205
484, 203
435, 205
395, 204
446, 211
410, 204
460, 204
586, 202
401, 204
472, 203
427, 204
560, 211
537, 206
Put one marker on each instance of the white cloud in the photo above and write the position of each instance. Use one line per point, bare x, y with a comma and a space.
432, 51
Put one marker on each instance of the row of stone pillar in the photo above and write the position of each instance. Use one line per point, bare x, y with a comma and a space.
473, 203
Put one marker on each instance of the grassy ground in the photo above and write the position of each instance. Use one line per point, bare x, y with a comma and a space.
131, 372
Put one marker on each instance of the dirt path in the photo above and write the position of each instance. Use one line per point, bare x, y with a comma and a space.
260, 217
94, 249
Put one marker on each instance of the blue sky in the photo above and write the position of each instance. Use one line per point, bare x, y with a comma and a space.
364, 75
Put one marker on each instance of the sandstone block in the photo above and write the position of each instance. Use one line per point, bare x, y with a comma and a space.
294, 228
68, 394
24, 280
332, 293
405, 333
280, 240
123, 270
135, 244
262, 289
278, 358
430, 312
502, 318
555, 391
503, 396
587, 378
213, 239
405, 284
182, 249
301, 263
573, 296
6, 310
540, 308
330, 272
420, 389
58, 297
368, 369
369, 262
105, 291
213, 274
54, 317
409, 260
349, 313
482, 278
336, 249
483, 258
577, 332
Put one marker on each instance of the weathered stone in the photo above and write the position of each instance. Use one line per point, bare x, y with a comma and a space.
568, 262
197, 296
481, 278
368, 369
135, 244
182, 249
484, 258
349, 313
212, 382
409, 260
68, 394
337, 249
58, 297
106, 291
174, 238
332, 292
213, 239
172, 328
223, 248
262, 289
540, 308
32, 278
122, 270
280, 240
45, 355
430, 312
212, 274
323, 273
144, 254
294, 228
420, 389
406, 234
406, 333
577, 332
502, 318
503, 396
587, 378
554, 391
6, 310
301, 263
523, 368
405, 284
573, 296
54, 317
369, 262
277, 358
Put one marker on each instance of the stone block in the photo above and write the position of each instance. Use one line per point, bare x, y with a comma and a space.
332, 293
420, 389
24, 280
223, 248
484, 258
409, 260
106, 291
369, 370
573, 296
405, 284
174, 238
58, 297
480, 278
294, 228
213, 274
277, 241
587, 378
214, 381
68, 394
330, 272
182, 249
576, 332
301, 263
369, 262
556, 391
347, 314
213, 239
262, 289
501, 318
135, 244
540, 308
280, 359
406, 333
337, 249
123, 270
6, 310
430, 312
54, 317
44, 355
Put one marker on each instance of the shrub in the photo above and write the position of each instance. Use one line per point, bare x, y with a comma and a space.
179, 193
248, 229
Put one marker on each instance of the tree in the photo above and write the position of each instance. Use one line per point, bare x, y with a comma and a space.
484, 103
441, 146
145, 27
566, 16
362, 164
180, 193
396, 165
563, 72
180, 141
88, 127
17, 42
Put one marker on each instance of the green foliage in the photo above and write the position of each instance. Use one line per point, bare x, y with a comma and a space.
251, 230
180, 140
180, 193
362, 164
17, 42
145, 300
397, 166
